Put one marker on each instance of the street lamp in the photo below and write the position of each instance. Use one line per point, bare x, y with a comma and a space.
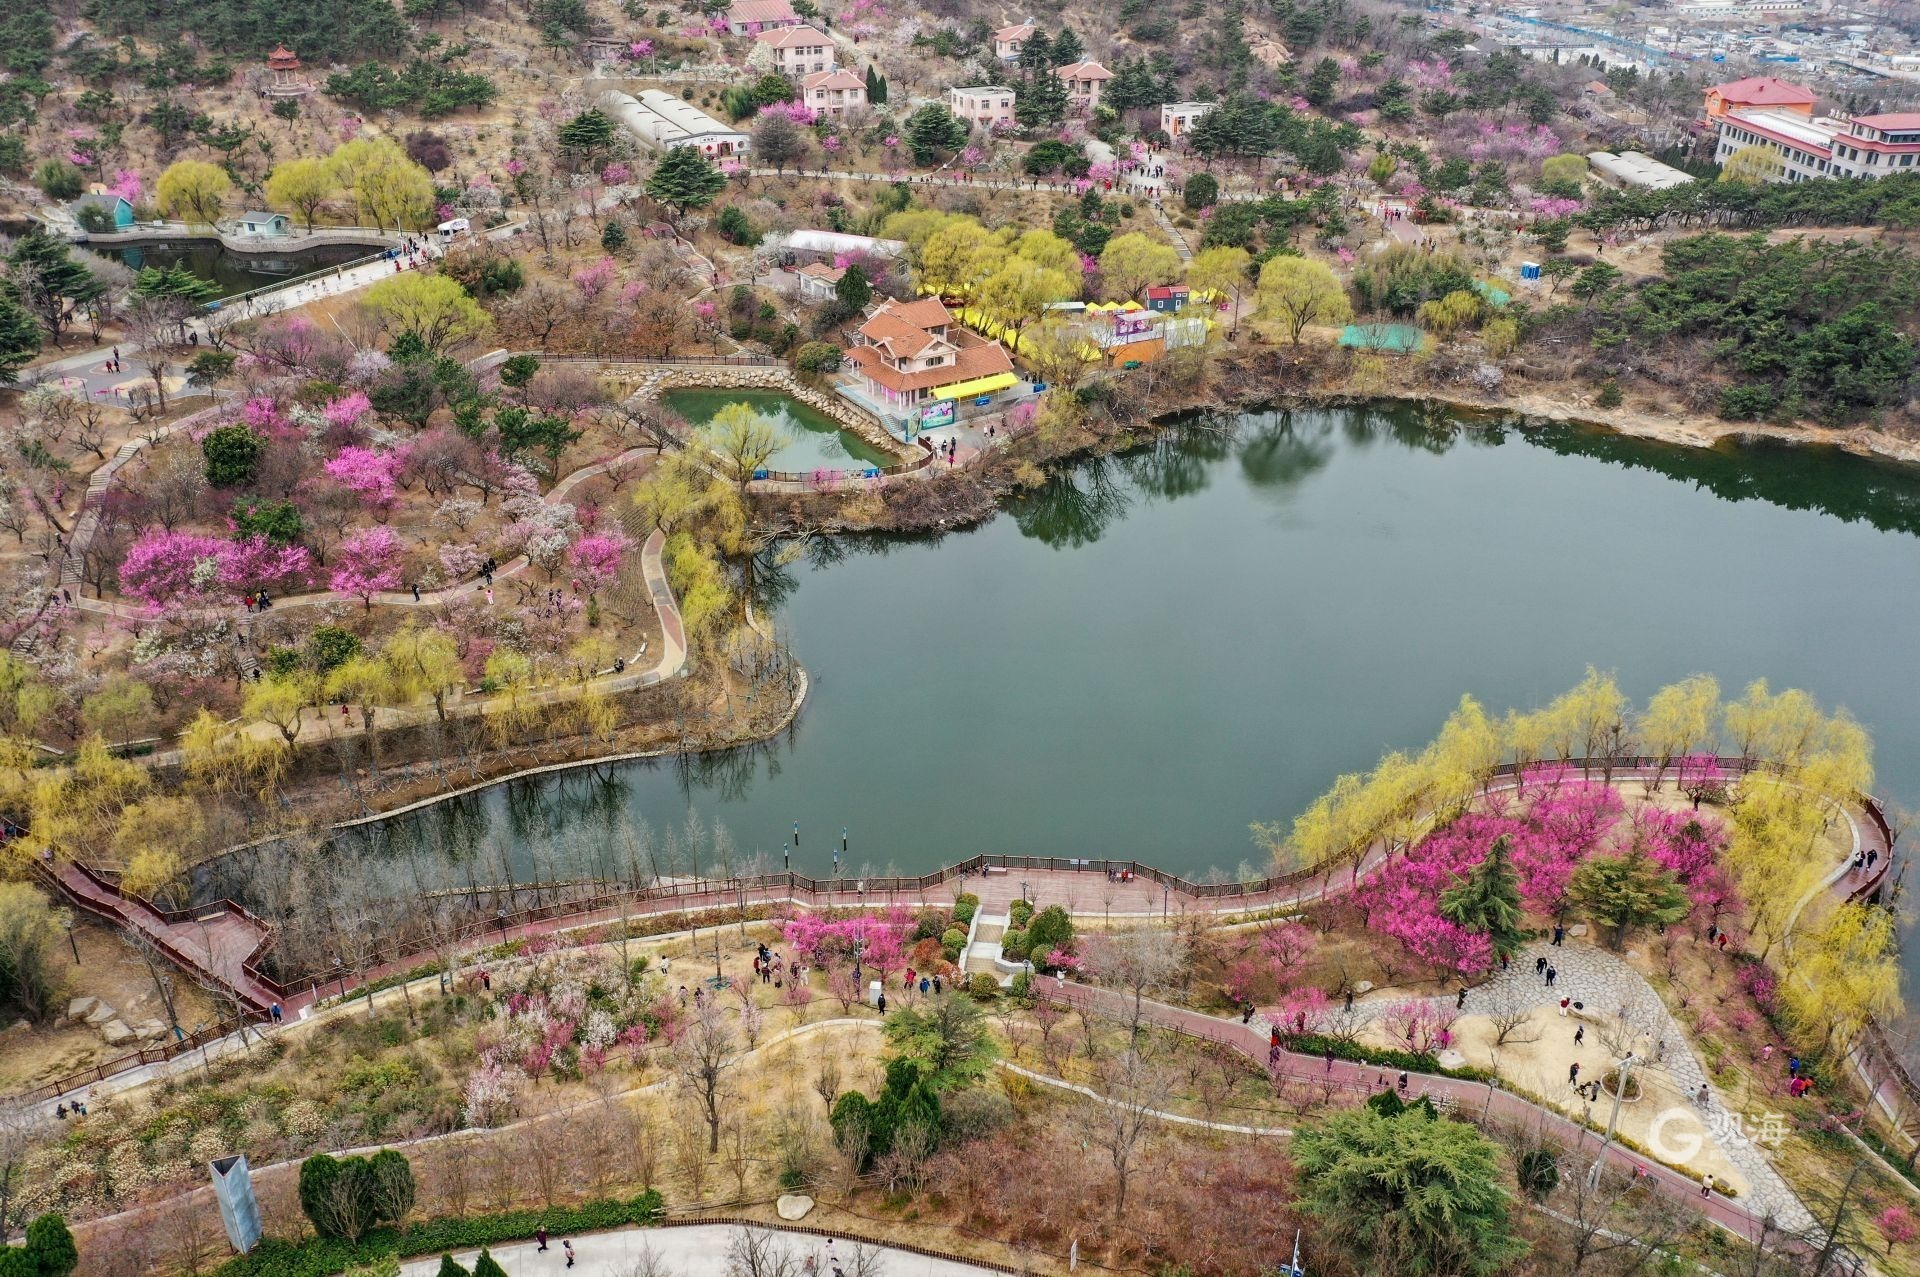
500, 920
340, 974
71, 942
1613, 1120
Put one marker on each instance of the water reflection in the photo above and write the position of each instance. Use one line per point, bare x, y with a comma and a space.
981, 692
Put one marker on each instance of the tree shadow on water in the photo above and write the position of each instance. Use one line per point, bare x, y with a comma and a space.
1073, 509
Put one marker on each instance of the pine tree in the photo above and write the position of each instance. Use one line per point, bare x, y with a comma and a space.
1487, 901
487, 1266
1624, 892
19, 336
685, 179
451, 1267
1037, 53
1067, 48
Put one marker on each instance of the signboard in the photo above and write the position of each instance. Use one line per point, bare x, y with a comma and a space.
936, 414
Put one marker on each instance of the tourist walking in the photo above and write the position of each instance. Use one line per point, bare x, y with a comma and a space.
1460, 1003
1573, 1073
1706, 1184
1552, 975
540, 1236
1559, 934
567, 1246
1329, 1059
1580, 1035
1540, 965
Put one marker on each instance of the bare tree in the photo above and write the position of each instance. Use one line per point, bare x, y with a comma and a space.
153, 324
159, 969
21, 1128
1140, 960
1511, 1012
1131, 1084
761, 1252
701, 1061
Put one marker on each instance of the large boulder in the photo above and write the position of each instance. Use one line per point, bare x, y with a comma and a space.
80, 1008
793, 1206
116, 1033
101, 1013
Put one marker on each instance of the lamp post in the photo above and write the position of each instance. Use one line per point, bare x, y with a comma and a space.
71, 942
1613, 1120
340, 974
500, 920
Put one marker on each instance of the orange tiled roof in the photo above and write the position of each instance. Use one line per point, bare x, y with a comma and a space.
926, 312
1084, 71
790, 37
902, 339
840, 79
1764, 90
974, 357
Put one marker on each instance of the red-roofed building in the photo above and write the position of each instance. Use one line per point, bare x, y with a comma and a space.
1008, 41
1868, 146
833, 92
798, 51
909, 357
1084, 82
1759, 92
750, 17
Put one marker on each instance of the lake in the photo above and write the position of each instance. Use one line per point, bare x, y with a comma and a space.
814, 440
1154, 651
233, 272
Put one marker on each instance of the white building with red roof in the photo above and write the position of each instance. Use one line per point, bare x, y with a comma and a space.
1084, 82
1008, 41
1866, 146
797, 51
833, 92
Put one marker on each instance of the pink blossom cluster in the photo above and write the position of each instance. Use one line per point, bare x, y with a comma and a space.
126, 185
1551, 823
1554, 206
879, 939
1513, 143
346, 412
369, 473
616, 174
167, 570
595, 559
1436, 74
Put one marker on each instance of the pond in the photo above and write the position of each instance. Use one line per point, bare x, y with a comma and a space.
1154, 651
814, 440
233, 272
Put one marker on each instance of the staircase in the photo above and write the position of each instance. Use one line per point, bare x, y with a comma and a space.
1180, 245
983, 955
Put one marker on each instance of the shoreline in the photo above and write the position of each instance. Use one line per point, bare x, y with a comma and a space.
1526, 412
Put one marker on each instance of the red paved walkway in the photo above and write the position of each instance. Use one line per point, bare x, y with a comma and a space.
1468, 1098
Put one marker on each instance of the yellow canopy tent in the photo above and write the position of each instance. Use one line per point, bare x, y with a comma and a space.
977, 386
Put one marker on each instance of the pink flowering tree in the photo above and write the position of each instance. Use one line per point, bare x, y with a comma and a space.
592, 280
460, 559
370, 474
367, 563
172, 570
595, 558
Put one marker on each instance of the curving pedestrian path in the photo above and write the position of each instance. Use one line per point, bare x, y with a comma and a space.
1605, 983
1449, 1094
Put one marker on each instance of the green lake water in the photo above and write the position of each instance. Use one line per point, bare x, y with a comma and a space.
815, 441
1156, 650
233, 272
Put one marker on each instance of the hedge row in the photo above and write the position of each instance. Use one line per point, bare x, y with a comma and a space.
324, 1257
1384, 1057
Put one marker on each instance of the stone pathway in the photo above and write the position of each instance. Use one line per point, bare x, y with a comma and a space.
1606, 983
